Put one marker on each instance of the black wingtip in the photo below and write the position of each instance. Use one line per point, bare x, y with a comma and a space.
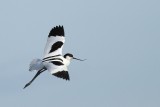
62, 74
57, 31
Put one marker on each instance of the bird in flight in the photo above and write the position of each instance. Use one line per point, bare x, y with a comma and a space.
53, 60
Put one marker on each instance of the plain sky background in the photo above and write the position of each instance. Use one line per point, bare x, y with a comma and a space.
119, 38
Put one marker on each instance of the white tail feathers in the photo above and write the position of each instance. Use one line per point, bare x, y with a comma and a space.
36, 65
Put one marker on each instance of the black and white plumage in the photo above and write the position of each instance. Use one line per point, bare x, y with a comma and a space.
53, 61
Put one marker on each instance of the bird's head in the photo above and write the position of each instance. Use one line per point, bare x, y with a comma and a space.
70, 57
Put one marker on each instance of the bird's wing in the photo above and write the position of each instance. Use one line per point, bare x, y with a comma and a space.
55, 42
58, 69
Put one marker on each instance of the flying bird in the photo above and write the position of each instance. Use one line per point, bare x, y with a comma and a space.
53, 60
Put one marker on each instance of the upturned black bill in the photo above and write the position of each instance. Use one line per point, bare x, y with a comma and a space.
79, 59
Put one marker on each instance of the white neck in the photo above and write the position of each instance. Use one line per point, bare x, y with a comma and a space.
68, 60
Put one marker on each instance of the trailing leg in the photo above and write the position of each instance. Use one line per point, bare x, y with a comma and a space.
39, 72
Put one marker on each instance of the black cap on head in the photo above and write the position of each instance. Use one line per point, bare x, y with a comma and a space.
68, 54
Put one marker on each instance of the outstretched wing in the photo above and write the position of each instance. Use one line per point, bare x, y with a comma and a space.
55, 42
57, 69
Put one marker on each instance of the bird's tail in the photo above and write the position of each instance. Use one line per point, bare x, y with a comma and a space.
36, 65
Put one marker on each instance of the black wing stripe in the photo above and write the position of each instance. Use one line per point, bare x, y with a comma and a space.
57, 31
58, 63
53, 59
50, 57
56, 46
62, 74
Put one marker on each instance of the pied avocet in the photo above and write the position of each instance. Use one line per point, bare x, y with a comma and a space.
53, 60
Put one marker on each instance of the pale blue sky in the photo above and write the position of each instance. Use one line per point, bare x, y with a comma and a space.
119, 38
